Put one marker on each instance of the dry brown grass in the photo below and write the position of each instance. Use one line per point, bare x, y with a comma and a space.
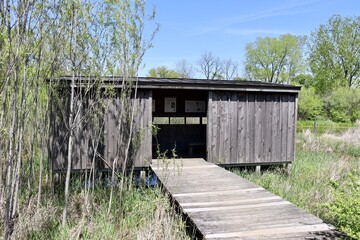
309, 141
346, 143
163, 224
34, 219
146, 214
351, 136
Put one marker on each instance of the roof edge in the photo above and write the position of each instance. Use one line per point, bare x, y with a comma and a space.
186, 83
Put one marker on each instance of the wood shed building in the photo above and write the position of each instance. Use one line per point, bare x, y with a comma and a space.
225, 122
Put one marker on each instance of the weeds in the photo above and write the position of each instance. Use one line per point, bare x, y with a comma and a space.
321, 179
344, 209
147, 214
144, 213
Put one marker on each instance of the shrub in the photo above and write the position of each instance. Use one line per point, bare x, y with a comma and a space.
342, 105
310, 104
344, 209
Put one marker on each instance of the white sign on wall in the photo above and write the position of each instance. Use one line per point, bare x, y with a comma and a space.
194, 106
170, 105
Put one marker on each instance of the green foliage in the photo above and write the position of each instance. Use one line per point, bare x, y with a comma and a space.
342, 105
334, 53
308, 186
42, 40
344, 209
240, 79
310, 104
306, 80
274, 60
163, 72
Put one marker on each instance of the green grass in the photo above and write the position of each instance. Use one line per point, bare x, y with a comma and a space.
308, 181
145, 214
324, 126
313, 176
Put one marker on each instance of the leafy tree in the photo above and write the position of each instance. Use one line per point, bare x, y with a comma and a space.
335, 53
274, 60
240, 79
342, 105
305, 80
163, 72
42, 40
310, 104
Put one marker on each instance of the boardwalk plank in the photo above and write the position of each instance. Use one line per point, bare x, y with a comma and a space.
223, 205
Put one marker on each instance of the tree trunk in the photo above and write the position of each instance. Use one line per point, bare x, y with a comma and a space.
71, 116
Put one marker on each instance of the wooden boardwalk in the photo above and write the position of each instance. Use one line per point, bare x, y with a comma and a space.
222, 205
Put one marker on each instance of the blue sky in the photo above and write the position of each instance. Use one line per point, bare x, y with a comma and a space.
188, 28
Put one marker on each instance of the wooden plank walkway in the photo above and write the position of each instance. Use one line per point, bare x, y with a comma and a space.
222, 205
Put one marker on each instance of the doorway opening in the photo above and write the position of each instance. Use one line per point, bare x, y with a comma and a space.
180, 117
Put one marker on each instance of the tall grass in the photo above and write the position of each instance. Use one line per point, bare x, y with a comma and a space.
321, 168
145, 214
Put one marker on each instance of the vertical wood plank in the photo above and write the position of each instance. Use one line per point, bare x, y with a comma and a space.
113, 143
143, 106
250, 119
264, 128
59, 114
222, 131
209, 129
295, 126
216, 127
267, 118
233, 128
284, 125
77, 142
138, 136
241, 136
258, 128
274, 128
291, 128
278, 129
227, 130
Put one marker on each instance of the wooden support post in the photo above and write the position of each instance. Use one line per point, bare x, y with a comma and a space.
258, 169
52, 182
288, 168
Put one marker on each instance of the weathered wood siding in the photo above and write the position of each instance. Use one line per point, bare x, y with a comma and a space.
58, 133
143, 134
248, 128
114, 135
83, 147
112, 142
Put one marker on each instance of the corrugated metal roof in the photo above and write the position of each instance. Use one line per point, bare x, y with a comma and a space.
200, 84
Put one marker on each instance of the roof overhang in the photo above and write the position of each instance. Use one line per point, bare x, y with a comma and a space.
188, 84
